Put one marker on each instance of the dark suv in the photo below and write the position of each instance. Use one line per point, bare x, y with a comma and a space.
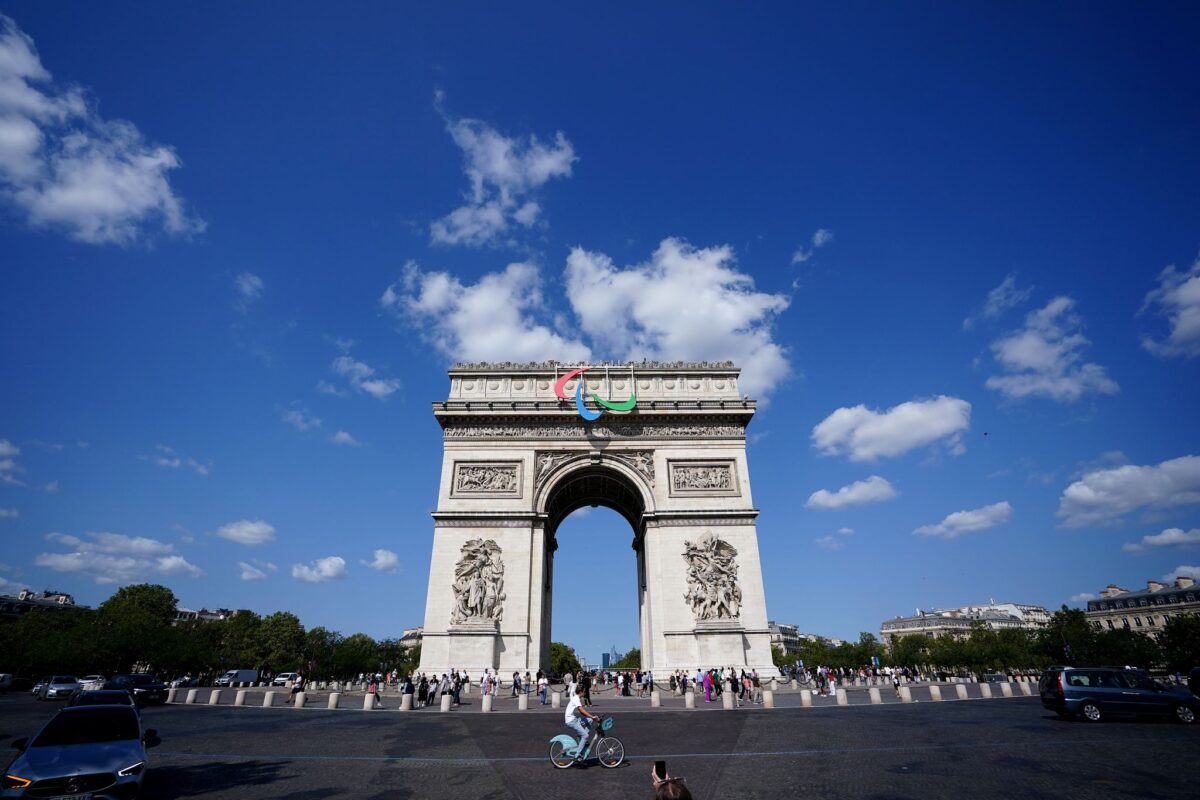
144, 688
1095, 693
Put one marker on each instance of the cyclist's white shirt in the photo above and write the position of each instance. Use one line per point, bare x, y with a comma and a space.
572, 709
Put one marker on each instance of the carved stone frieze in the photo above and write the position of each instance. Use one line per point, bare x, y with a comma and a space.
546, 462
713, 590
487, 479
612, 430
640, 460
479, 584
704, 478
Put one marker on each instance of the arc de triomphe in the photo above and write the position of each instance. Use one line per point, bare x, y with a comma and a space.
521, 452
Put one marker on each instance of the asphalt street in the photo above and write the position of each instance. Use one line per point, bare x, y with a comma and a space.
953, 749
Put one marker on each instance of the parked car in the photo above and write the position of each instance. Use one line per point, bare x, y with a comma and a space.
284, 678
184, 681
88, 751
36, 690
90, 683
58, 687
144, 687
237, 676
1096, 693
99, 697
1194, 681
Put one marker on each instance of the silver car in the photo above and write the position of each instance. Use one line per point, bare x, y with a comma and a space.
84, 751
59, 687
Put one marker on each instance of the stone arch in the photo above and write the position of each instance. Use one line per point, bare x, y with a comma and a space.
587, 479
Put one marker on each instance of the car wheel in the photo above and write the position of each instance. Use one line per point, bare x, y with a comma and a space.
1184, 713
1090, 711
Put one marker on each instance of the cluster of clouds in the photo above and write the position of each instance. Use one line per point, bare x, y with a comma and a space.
960, 522
505, 174
1104, 496
864, 434
248, 287
1177, 298
111, 558
364, 378
9, 466
820, 238
65, 167
167, 457
299, 418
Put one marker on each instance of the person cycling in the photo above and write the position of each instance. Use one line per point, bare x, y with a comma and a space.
580, 720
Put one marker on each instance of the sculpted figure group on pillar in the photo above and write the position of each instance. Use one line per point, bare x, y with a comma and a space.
713, 590
479, 583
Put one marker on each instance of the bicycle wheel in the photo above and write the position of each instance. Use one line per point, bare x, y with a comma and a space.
610, 751
559, 757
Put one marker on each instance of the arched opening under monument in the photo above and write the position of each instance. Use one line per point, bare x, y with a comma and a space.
599, 601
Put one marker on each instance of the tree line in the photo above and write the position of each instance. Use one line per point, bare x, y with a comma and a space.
136, 627
1069, 639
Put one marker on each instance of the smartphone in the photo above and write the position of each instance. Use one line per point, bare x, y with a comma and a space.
660, 770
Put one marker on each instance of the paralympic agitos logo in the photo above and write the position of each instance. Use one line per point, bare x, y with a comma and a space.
584, 411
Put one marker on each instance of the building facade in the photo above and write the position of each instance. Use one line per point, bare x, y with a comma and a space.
958, 621
1146, 610
27, 600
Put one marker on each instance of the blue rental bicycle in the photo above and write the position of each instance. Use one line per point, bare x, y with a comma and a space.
608, 749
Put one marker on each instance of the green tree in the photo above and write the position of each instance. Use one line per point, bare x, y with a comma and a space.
1068, 627
562, 659
320, 644
282, 642
241, 645
134, 622
779, 656
868, 648
910, 649
1123, 647
1180, 641
354, 654
631, 660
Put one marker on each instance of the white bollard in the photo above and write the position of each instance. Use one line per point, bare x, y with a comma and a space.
689, 700
842, 700
806, 698
268, 699
1006, 689
334, 699
655, 699
191, 696
522, 702
727, 699
1026, 689
239, 699
774, 684
368, 702
935, 693
299, 699
487, 703
873, 693
406, 701
905, 694
768, 699
556, 699
985, 690
171, 695
446, 700
961, 690
466, 689
214, 697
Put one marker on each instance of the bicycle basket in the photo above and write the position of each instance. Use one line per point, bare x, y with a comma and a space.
606, 724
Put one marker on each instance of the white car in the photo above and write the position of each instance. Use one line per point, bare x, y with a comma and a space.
284, 678
92, 683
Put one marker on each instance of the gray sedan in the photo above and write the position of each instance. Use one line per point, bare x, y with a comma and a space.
84, 751
59, 687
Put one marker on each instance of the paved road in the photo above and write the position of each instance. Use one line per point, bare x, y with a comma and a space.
978, 749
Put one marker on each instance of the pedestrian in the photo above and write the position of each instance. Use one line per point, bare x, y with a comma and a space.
708, 686
543, 686
373, 691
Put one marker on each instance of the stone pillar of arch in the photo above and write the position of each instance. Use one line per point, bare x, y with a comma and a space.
517, 461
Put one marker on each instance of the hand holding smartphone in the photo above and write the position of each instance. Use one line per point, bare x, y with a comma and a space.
660, 770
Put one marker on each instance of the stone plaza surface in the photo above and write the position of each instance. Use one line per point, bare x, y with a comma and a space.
1001, 748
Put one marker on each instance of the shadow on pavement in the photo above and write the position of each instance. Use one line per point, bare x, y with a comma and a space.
169, 781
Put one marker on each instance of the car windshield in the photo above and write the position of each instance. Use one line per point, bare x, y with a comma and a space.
88, 726
63, 679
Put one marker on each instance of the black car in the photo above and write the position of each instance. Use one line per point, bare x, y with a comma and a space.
1096, 693
145, 688
1194, 681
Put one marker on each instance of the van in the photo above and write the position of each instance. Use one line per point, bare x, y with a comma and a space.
284, 678
1096, 693
236, 676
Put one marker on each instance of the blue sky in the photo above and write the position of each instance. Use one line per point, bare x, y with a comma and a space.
954, 248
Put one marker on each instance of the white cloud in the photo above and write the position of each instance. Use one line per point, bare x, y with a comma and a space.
504, 173
247, 532
9, 513
873, 490
321, 570
960, 522
685, 304
492, 320
1000, 299
363, 377
863, 434
1170, 537
249, 288
1105, 495
66, 167
384, 561
1183, 570
53, 487
255, 570
342, 437
167, 457
9, 466
830, 543
846, 531
1082, 597
1178, 299
1044, 358
115, 557
325, 387
300, 419
820, 238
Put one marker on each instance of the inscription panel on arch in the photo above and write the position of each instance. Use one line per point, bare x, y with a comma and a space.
488, 479
704, 478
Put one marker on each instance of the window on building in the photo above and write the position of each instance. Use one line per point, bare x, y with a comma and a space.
1191, 598
1143, 602
1125, 622
1150, 619
1110, 625
1104, 606
1137, 621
